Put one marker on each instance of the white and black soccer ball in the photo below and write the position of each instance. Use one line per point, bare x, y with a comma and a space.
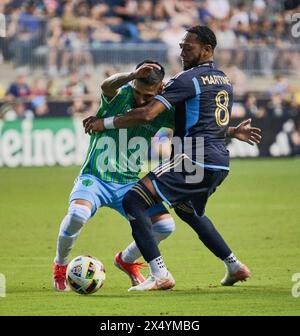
85, 274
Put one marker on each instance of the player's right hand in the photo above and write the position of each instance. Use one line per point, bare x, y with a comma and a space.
93, 124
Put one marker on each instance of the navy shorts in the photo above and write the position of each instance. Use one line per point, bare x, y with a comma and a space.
176, 186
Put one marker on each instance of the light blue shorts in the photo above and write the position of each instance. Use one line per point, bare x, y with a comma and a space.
101, 193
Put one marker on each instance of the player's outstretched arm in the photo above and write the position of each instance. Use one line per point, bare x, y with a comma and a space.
111, 85
245, 132
134, 117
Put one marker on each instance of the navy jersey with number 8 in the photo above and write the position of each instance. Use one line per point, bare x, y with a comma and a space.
202, 100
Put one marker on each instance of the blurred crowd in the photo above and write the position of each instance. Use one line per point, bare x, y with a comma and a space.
26, 98
281, 99
69, 29
252, 35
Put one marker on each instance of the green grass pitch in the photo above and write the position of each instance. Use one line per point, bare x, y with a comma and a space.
257, 210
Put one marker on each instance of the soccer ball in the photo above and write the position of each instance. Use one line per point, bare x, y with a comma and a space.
85, 274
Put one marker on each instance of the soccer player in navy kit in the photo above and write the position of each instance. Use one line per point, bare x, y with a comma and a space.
202, 98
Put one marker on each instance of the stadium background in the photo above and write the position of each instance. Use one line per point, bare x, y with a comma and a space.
52, 60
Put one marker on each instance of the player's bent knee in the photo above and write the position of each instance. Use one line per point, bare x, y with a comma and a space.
164, 227
83, 202
77, 216
79, 213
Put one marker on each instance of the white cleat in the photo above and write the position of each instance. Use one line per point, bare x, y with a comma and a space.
242, 274
155, 283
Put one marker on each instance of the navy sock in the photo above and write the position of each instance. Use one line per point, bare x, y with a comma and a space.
206, 232
135, 203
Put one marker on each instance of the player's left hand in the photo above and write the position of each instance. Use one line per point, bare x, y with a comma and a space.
245, 132
93, 125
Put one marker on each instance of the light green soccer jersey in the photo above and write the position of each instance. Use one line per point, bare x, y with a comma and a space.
117, 155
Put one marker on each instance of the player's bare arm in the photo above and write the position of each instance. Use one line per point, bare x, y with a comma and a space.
111, 85
134, 117
243, 131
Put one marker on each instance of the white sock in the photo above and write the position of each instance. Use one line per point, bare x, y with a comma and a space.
161, 230
232, 263
70, 227
158, 267
131, 253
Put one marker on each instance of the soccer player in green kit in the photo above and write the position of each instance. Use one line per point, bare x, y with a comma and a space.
110, 168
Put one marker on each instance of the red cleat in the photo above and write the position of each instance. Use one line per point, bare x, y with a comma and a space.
59, 278
131, 269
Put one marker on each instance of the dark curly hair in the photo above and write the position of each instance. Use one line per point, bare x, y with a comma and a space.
205, 35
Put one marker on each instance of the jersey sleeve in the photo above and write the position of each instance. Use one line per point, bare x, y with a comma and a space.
178, 89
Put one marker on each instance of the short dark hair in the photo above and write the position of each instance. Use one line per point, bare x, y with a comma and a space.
204, 35
156, 76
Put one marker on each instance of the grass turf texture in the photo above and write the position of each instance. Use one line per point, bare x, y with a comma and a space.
256, 210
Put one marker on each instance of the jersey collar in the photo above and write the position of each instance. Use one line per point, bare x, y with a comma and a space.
207, 63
